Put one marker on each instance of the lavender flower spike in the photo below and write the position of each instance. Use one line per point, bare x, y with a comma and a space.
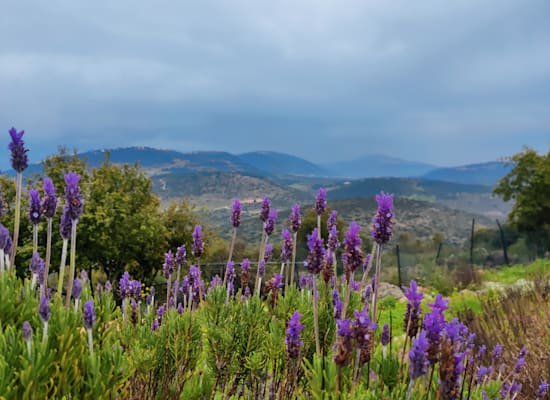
314, 261
293, 341
236, 213
44, 312
266, 205
35, 208
89, 314
89, 322
26, 331
65, 225
418, 356
286, 250
412, 315
49, 202
542, 390
169, 264
295, 219
269, 225
19, 158
382, 222
73, 197
198, 245
321, 201
181, 255
77, 289
352, 257
332, 219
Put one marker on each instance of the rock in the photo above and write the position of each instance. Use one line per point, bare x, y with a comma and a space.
387, 289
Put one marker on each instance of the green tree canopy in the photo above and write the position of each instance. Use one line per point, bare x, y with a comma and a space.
528, 185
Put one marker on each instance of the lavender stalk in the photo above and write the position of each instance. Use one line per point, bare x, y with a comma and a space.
49, 207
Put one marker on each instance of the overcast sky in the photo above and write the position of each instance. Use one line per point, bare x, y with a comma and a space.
326, 80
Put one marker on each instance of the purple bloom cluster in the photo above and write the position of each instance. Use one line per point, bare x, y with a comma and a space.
295, 219
49, 202
267, 252
266, 206
382, 222
316, 256
4, 237
66, 224
269, 225
129, 287
261, 268
245, 273
352, 257
332, 220
169, 264
542, 390
321, 201
26, 331
293, 341
287, 247
230, 271
412, 315
89, 314
198, 245
344, 343
44, 309
333, 242
236, 213
418, 356
19, 158
337, 304
73, 197
35, 208
434, 323
385, 336
36, 263
181, 255
363, 332
77, 288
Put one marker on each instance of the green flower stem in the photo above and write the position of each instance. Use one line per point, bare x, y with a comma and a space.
231, 248
2, 261
73, 263
45, 333
168, 284
295, 240
316, 317
376, 281
319, 226
90, 342
62, 268
18, 188
48, 254
34, 238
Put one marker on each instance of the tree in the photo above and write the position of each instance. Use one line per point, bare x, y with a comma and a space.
528, 184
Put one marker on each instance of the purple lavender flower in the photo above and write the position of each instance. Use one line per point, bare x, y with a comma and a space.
77, 288
236, 213
315, 258
66, 224
89, 314
542, 390
434, 323
180, 308
198, 245
268, 251
520, 362
124, 285
337, 304
504, 390
368, 257
331, 220
352, 257
269, 225
169, 264
451, 364
230, 271
155, 325
19, 158
44, 309
134, 312
36, 263
160, 313
482, 373
286, 250
321, 201
4, 235
293, 341
216, 281
305, 281
9, 244
382, 222
266, 205
412, 315
333, 242
418, 356
26, 331
344, 343
363, 333
355, 286
385, 336
295, 219
73, 197
35, 208
181, 255
278, 281
245, 272
261, 269
108, 287
497, 353
49, 202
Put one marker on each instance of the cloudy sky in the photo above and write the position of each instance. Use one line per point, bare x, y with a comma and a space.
327, 80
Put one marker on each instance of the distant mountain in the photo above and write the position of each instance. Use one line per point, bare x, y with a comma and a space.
377, 165
418, 188
487, 173
281, 164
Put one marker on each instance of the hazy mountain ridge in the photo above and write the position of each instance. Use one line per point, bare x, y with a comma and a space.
487, 173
